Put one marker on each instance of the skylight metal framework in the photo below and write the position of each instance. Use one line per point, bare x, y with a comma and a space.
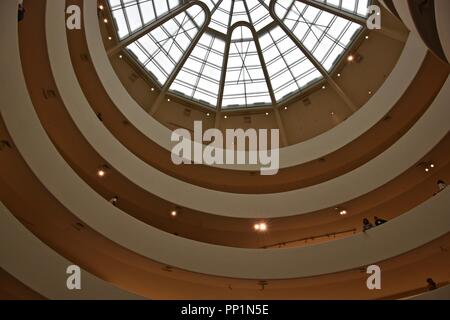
231, 54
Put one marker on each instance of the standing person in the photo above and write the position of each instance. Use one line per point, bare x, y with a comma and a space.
114, 201
379, 221
366, 225
21, 11
431, 284
441, 185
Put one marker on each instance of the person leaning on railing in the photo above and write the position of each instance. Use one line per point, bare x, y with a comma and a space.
21, 11
367, 225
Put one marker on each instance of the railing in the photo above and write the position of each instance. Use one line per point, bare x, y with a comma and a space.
412, 293
305, 240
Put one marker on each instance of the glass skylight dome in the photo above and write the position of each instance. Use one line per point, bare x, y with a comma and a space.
229, 54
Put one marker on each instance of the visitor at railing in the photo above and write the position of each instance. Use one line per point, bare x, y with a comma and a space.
21, 11
114, 201
441, 185
367, 225
431, 284
379, 221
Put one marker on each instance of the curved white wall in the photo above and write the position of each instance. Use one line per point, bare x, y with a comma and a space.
409, 231
442, 8
428, 131
316, 148
33, 263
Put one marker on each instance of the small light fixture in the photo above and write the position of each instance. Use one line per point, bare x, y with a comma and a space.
168, 100
261, 227
432, 165
100, 7
109, 38
339, 75
332, 113
101, 172
324, 87
174, 213
343, 212
367, 37
105, 20
350, 58
120, 56
267, 113
208, 114
285, 108
152, 89
225, 117
370, 93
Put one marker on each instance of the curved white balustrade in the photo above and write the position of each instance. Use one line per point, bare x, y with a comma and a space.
427, 132
438, 294
374, 110
34, 264
425, 223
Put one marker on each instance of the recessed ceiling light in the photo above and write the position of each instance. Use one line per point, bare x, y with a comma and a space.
120, 56
432, 165
168, 100
267, 113
100, 7
370, 93
101, 173
152, 89
208, 114
257, 226
105, 20
324, 87
285, 108
367, 37
173, 213
109, 38
262, 227
343, 212
427, 169
225, 117
350, 58
338, 74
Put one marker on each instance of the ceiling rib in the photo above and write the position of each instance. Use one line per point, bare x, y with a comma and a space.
311, 58
183, 59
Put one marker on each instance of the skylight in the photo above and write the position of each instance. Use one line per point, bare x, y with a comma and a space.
230, 54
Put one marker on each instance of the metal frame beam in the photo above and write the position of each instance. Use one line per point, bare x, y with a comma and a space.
155, 24
183, 59
390, 33
224, 71
337, 12
311, 58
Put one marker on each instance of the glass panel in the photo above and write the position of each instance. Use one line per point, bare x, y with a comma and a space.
245, 84
132, 15
357, 7
161, 50
289, 70
200, 76
325, 35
